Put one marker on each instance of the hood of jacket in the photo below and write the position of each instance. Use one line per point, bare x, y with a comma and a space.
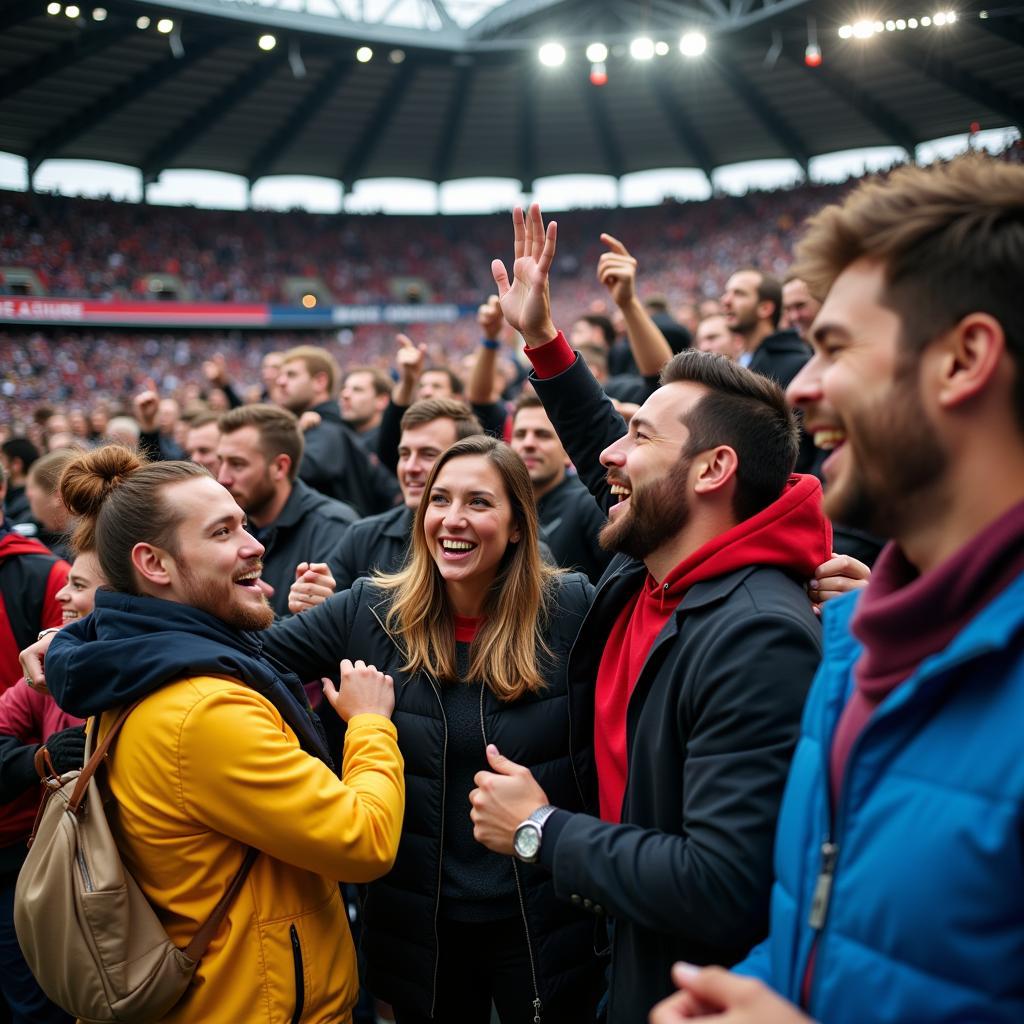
791, 534
130, 646
13, 543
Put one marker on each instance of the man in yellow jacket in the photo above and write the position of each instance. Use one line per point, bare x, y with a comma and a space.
222, 753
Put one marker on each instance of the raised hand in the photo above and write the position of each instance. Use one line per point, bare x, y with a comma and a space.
313, 585
147, 405
410, 357
216, 370
363, 691
490, 319
525, 301
616, 270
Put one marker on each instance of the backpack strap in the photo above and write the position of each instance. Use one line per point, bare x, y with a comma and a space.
202, 938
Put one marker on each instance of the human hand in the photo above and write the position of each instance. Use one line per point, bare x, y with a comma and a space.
616, 270
839, 575
32, 662
147, 405
216, 370
313, 585
717, 994
490, 319
503, 800
363, 691
308, 420
67, 749
409, 358
526, 302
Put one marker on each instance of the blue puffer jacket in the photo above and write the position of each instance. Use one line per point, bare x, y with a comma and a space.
925, 921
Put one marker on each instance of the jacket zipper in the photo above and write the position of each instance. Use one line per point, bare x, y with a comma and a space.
86, 878
300, 978
537, 1005
444, 796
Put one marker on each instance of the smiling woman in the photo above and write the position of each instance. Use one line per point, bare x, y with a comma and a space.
476, 632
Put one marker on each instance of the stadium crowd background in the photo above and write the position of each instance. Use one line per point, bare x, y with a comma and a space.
104, 249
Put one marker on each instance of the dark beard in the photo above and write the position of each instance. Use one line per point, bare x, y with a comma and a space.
904, 459
213, 598
656, 514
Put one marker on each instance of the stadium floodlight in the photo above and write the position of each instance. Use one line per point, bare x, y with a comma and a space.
845, 31
142, 22
53, 8
911, 22
950, 17
890, 26
597, 53
99, 14
396, 56
926, 22
267, 42
165, 25
661, 48
364, 54
900, 24
551, 55
72, 11
642, 48
863, 29
693, 44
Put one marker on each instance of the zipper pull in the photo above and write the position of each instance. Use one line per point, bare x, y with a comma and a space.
823, 886
536, 1011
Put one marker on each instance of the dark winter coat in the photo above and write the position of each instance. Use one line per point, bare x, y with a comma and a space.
399, 937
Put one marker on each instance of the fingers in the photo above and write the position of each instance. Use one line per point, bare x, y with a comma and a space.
843, 565
614, 244
519, 231
547, 253
500, 275
405, 341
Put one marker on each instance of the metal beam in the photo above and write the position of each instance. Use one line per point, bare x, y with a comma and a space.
452, 124
595, 100
506, 14
79, 48
527, 126
362, 149
892, 127
120, 96
447, 21
304, 111
16, 13
259, 72
776, 124
686, 132
960, 80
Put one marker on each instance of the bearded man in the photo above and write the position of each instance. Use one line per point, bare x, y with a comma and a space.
700, 642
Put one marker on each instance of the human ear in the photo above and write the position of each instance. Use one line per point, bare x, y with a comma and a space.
968, 359
151, 563
714, 469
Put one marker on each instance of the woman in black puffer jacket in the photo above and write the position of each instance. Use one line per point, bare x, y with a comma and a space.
476, 633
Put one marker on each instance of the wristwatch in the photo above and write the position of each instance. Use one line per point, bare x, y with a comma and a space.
528, 834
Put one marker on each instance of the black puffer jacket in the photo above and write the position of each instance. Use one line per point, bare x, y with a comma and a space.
399, 937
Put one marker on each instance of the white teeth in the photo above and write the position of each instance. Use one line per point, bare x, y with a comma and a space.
620, 489
255, 575
829, 439
457, 545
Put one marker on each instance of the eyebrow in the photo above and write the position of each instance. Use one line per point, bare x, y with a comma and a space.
822, 332
230, 518
472, 494
639, 422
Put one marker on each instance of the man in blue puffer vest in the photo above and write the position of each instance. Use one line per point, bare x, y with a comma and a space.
899, 859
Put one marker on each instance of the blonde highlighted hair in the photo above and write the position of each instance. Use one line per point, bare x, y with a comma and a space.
508, 652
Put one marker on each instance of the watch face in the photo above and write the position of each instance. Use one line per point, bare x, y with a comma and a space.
527, 841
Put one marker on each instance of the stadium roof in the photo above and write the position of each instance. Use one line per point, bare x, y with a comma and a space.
454, 88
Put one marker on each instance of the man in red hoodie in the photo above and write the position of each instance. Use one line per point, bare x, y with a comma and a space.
700, 641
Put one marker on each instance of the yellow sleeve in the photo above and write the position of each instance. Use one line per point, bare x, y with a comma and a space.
242, 775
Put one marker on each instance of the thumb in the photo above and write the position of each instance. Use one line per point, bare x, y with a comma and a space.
500, 275
499, 762
614, 244
713, 986
404, 341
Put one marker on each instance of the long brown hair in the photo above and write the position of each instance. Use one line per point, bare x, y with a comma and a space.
509, 647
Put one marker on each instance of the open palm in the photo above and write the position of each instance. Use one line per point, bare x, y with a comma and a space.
525, 301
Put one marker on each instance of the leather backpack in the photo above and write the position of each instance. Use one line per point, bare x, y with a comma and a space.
88, 933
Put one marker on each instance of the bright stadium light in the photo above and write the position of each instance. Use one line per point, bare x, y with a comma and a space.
597, 53
72, 11
912, 23
863, 29
661, 48
142, 22
165, 25
950, 17
845, 31
642, 48
364, 54
693, 44
890, 26
926, 21
99, 14
53, 8
900, 24
267, 42
551, 55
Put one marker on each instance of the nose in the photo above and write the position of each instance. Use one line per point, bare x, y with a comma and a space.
805, 387
224, 476
614, 456
454, 517
251, 547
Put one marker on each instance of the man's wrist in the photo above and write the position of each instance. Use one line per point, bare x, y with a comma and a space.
491, 343
536, 339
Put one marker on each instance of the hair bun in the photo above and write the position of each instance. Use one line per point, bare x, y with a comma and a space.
88, 480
